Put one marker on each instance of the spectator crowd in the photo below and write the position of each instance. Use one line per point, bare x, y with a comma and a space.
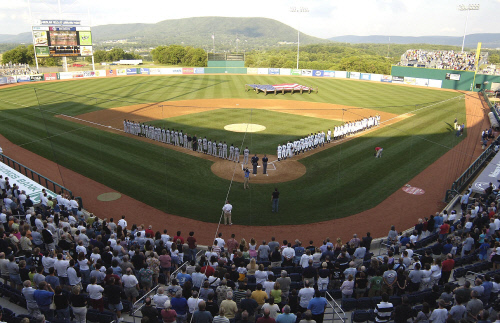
441, 59
16, 69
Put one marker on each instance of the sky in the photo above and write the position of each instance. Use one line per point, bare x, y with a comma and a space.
325, 18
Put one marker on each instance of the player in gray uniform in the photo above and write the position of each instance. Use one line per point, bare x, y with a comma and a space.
219, 147
279, 152
231, 153
328, 136
224, 150
176, 138
236, 155
246, 152
168, 135
181, 142
205, 149
214, 148
185, 140
200, 145
125, 126
163, 136
209, 151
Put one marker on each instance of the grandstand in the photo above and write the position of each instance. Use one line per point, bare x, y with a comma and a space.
442, 59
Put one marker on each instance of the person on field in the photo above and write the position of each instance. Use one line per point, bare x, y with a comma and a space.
227, 208
378, 152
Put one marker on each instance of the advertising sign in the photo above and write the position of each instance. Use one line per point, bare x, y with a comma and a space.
435, 83
154, 71
307, 72
32, 188
110, 73
65, 75
365, 76
85, 50
453, 77
50, 76
40, 38
131, 71
422, 82
488, 175
296, 72
187, 70
410, 80
144, 71
36, 78
274, 71
122, 71
354, 75
263, 70
398, 79
318, 73
42, 51
329, 73
341, 74
78, 75
376, 77
199, 70
386, 78
23, 78
285, 71
88, 73
252, 70
85, 38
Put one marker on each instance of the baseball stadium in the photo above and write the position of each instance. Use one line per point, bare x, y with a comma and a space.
196, 166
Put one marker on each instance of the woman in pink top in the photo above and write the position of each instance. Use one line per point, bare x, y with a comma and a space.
165, 262
347, 287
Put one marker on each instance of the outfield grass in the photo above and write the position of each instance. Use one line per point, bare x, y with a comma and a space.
340, 181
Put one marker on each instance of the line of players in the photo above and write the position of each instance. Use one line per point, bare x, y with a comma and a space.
178, 138
315, 140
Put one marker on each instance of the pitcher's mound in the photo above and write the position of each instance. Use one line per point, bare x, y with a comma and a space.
244, 127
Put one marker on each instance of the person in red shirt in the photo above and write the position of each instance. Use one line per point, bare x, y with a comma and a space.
207, 269
232, 244
378, 152
178, 236
444, 229
149, 231
446, 268
191, 240
266, 318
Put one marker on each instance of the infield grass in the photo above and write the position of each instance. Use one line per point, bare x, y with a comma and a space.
340, 181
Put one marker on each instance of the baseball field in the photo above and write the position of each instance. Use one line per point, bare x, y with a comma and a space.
78, 124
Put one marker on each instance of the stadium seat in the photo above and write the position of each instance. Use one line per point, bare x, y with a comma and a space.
251, 286
335, 293
107, 317
297, 269
364, 303
359, 316
395, 300
459, 273
296, 277
376, 300
251, 279
93, 315
349, 304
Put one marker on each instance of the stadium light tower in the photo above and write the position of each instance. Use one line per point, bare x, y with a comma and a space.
467, 8
298, 10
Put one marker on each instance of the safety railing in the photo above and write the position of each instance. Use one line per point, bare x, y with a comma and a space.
28, 172
175, 272
337, 315
140, 300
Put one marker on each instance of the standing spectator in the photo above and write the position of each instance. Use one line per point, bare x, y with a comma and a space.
131, 286
439, 315
305, 295
220, 318
273, 308
193, 303
62, 304
384, 309
149, 311
202, 315
160, 298
424, 315
458, 311
95, 294
28, 293
263, 252
146, 278
43, 297
179, 305
249, 304
286, 317
259, 295
191, 240
229, 306
78, 305
446, 268
474, 306
168, 315
266, 318
347, 287
402, 312
317, 306
114, 292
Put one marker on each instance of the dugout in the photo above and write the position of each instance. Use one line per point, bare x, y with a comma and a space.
451, 79
228, 63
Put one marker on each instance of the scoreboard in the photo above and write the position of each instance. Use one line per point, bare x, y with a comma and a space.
62, 41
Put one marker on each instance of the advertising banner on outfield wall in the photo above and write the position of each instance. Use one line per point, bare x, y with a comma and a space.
100, 73
435, 83
274, 71
121, 71
329, 73
65, 75
88, 74
78, 75
354, 75
252, 70
110, 72
410, 80
387, 78
154, 71
296, 72
376, 77
32, 188
23, 78
171, 70
263, 70
199, 70
398, 79
144, 71
285, 71
318, 73
3, 80
131, 71
365, 76
422, 82
50, 76
187, 70
307, 72
341, 74
36, 78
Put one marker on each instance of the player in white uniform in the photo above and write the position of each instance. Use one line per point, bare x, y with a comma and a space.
283, 151
125, 126
163, 135
185, 140
236, 155
246, 152
279, 152
289, 149
176, 137
219, 147
224, 150
209, 151
205, 145
231, 153
181, 142
168, 136
214, 148
200, 145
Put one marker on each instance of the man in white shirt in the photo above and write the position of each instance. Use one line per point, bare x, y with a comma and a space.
227, 209
73, 205
288, 254
305, 295
61, 266
122, 222
38, 222
160, 298
220, 242
131, 285
73, 278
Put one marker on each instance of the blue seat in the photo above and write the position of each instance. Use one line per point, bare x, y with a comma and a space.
459, 273
93, 315
359, 316
395, 300
296, 277
335, 293
349, 304
376, 300
251, 286
107, 317
364, 303
251, 279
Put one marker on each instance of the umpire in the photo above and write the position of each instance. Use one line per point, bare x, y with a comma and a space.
264, 164
255, 163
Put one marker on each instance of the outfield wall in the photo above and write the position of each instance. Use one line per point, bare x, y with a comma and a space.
434, 78
450, 79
